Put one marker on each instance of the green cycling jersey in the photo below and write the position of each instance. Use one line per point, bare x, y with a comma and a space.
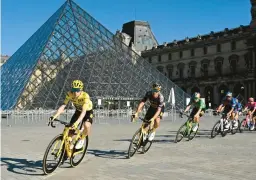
199, 104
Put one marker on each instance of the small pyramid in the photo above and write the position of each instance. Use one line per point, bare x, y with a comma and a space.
71, 45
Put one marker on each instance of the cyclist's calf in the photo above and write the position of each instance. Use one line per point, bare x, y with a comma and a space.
157, 122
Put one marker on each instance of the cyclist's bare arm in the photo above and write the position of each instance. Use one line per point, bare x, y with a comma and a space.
253, 111
219, 108
245, 109
140, 107
187, 108
59, 111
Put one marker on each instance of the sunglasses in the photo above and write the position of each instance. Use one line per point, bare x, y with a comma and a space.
75, 90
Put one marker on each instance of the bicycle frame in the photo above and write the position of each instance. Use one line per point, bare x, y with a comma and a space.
66, 139
189, 121
143, 127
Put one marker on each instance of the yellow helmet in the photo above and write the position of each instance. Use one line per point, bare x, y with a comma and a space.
77, 85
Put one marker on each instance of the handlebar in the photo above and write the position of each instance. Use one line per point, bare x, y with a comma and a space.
142, 119
62, 122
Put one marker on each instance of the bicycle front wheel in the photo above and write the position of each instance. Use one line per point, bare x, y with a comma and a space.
181, 133
216, 129
58, 151
135, 143
78, 154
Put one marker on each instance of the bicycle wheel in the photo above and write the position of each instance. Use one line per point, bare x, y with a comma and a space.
216, 129
147, 146
57, 153
77, 152
234, 131
192, 133
243, 126
181, 132
137, 143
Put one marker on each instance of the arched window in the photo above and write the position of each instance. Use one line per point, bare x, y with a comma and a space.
218, 64
181, 69
169, 68
204, 67
192, 67
208, 94
233, 60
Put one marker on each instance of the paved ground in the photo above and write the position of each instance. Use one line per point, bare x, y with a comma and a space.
231, 157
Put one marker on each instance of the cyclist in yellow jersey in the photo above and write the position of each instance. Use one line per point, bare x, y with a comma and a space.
84, 111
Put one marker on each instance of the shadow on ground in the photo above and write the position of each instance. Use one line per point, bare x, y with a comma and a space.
110, 154
22, 166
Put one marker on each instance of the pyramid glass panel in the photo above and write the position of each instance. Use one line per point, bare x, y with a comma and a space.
16, 73
73, 45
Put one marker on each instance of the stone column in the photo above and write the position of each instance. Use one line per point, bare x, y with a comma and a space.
250, 88
216, 94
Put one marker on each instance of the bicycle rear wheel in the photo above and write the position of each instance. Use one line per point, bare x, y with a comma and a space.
77, 152
137, 143
216, 129
181, 132
57, 153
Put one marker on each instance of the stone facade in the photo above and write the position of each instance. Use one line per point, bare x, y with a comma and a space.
213, 63
4, 58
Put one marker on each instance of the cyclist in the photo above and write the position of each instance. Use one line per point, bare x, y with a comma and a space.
156, 109
237, 109
84, 112
251, 106
198, 109
228, 106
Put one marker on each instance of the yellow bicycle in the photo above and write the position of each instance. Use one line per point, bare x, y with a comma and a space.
59, 147
140, 138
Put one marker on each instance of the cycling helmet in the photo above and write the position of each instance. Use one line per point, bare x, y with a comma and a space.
229, 94
195, 96
156, 87
77, 85
251, 99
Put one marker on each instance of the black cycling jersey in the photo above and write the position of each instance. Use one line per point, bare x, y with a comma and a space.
154, 102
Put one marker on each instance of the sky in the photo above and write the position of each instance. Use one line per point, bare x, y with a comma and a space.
169, 19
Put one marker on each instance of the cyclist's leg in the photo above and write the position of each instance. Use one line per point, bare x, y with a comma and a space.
157, 120
192, 116
87, 123
253, 120
73, 120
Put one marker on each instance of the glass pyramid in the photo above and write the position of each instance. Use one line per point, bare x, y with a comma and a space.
71, 45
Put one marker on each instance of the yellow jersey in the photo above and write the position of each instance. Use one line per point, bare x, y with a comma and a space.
81, 102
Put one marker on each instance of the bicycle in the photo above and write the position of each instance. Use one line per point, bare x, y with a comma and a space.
219, 126
186, 129
64, 141
246, 123
142, 141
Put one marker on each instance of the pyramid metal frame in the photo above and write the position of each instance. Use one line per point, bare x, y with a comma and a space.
70, 45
